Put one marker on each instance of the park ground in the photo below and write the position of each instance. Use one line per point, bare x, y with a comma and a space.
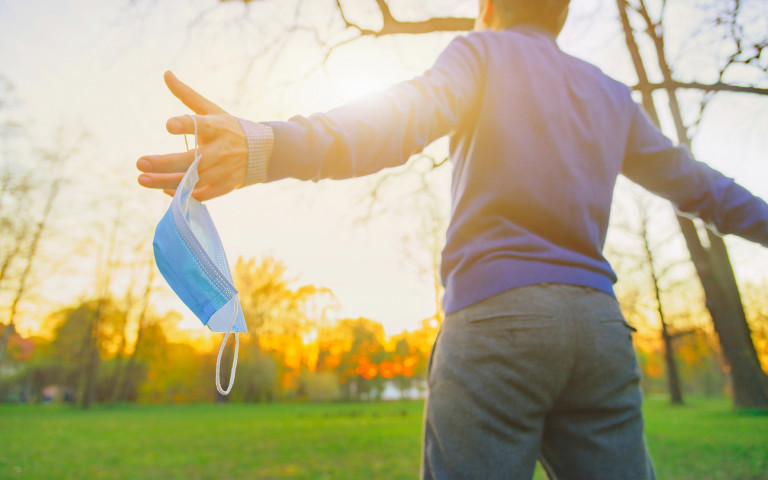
705, 440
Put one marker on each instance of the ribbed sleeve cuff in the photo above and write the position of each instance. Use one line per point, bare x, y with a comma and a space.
260, 140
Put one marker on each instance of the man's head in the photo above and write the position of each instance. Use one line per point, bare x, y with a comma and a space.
501, 14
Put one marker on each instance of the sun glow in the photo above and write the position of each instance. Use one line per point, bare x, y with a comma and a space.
359, 70
356, 83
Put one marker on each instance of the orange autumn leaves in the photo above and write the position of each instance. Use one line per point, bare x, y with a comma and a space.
295, 327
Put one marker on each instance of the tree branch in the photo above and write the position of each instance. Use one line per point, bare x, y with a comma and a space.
392, 26
435, 24
714, 87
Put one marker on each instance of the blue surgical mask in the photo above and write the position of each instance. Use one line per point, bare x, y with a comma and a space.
189, 254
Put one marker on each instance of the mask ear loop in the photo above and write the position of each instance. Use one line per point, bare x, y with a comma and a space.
221, 350
235, 309
194, 122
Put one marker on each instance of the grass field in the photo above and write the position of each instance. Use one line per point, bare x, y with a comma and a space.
705, 440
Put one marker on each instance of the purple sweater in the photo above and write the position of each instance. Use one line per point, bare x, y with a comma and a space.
537, 140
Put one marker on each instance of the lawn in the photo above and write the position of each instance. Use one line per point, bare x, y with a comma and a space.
702, 441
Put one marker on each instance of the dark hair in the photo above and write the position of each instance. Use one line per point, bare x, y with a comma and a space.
546, 13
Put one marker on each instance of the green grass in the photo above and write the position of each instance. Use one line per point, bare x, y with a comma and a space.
704, 440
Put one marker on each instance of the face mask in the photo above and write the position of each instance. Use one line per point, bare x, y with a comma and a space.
189, 254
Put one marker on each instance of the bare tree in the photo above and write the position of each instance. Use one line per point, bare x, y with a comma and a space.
664, 273
126, 374
93, 335
749, 382
31, 225
121, 368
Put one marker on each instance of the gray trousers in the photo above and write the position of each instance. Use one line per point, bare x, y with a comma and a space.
546, 371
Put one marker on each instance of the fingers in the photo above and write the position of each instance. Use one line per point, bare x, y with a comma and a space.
166, 171
170, 181
189, 97
183, 125
207, 125
165, 181
170, 163
222, 168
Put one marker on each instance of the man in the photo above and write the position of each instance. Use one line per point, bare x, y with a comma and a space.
534, 359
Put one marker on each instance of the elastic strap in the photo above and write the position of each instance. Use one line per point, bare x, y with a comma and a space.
197, 148
194, 122
221, 350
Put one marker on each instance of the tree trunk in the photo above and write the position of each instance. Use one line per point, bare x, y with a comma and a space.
85, 389
117, 379
675, 392
749, 382
119, 371
6, 335
120, 393
91, 372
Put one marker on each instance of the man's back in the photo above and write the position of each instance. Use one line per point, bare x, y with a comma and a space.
535, 162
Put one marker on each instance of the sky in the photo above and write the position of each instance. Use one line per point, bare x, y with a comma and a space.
98, 66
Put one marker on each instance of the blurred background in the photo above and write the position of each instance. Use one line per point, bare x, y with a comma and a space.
338, 279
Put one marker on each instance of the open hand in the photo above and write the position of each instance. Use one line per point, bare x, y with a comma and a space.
221, 143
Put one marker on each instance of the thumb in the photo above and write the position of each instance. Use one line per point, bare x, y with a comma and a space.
198, 103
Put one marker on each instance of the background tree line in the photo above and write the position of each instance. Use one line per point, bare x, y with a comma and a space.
295, 350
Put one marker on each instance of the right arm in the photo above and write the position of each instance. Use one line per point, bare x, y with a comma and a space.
693, 187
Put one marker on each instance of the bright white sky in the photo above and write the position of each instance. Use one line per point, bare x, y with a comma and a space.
99, 66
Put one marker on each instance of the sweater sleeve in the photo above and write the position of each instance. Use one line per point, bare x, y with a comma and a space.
383, 129
259, 138
693, 187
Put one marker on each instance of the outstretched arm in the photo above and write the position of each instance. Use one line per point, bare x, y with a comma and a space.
363, 137
693, 187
